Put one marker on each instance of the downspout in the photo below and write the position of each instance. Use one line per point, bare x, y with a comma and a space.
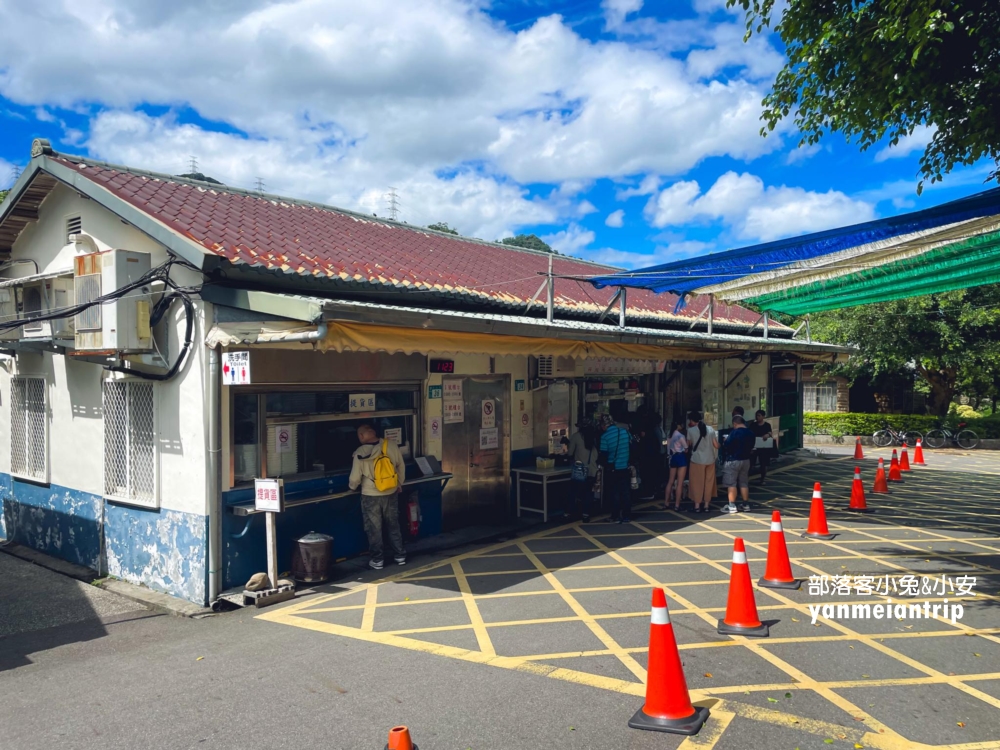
306, 337
213, 387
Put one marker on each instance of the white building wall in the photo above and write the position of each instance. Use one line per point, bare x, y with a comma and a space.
74, 498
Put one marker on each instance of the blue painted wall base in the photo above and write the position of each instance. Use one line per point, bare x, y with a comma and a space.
164, 550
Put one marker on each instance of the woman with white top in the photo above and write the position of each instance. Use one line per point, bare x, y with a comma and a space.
677, 448
704, 450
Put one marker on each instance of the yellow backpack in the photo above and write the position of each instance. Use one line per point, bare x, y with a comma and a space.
383, 471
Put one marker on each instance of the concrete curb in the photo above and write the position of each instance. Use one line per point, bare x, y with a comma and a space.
153, 599
72, 570
848, 442
171, 605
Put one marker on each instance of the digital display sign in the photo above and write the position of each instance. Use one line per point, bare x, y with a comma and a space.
442, 365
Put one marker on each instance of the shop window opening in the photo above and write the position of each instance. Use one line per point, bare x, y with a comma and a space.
299, 433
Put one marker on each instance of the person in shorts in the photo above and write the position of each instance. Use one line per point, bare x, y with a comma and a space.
677, 447
738, 449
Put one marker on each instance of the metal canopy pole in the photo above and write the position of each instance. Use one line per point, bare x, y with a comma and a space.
809, 337
711, 313
622, 302
611, 304
550, 310
767, 319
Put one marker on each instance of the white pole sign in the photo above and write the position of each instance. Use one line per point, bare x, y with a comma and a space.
269, 495
236, 368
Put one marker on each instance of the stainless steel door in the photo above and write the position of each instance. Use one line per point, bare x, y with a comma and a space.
477, 452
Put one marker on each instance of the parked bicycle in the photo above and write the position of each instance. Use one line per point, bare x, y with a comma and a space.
889, 435
963, 438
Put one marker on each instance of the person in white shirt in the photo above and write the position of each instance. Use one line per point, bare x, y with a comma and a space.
704, 442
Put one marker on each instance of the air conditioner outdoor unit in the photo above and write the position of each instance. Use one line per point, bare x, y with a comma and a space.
550, 366
121, 325
41, 297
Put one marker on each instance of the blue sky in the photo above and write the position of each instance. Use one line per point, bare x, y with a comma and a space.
619, 130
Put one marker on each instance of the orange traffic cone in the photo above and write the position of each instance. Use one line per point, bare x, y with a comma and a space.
881, 486
918, 453
817, 528
778, 573
858, 453
904, 460
894, 473
741, 609
668, 707
399, 739
858, 502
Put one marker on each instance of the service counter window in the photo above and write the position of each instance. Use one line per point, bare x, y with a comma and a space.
298, 433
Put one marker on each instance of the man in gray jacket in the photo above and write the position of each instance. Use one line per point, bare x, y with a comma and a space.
378, 507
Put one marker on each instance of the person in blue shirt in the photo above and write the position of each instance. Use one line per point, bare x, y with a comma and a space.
614, 447
737, 451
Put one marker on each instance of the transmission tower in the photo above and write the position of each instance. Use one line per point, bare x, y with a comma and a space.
192, 164
15, 172
259, 185
392, 203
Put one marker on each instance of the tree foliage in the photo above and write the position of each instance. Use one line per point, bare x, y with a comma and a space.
529, 241
874, 69
3, 195
442, 227
950, 339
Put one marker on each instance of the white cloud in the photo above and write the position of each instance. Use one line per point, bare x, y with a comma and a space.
571, 240
615, 11
726, 49
802, 153
753, 211
476, 204
615, 219
649, 185
6, 174
430, 84
915, 141
661, 254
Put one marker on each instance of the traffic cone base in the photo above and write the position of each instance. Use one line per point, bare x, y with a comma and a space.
689, 726
858, 453
792, 585
866, 509
761, 631
824, 537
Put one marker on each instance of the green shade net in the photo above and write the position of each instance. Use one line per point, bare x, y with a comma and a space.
959, 265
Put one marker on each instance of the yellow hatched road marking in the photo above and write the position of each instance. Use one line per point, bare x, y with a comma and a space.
478, 626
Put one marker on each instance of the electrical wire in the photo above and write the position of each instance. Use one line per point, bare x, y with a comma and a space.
160, 273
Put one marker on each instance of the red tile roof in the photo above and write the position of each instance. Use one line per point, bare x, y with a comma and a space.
298, 237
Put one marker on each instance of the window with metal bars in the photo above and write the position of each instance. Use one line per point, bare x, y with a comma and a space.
130, 466
819, 396
29, 439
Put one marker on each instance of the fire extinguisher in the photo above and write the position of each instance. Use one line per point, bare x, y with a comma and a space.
413, 514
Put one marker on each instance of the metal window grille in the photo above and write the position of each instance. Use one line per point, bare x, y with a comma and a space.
130, 442
28, 426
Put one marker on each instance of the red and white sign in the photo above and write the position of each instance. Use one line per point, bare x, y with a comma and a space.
284, 439
269, 495
489, 414
236, 368
525, 419
435, 428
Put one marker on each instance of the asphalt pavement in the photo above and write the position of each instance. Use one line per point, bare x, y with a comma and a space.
83, 668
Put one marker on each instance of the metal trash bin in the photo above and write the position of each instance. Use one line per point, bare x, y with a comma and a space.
311, 558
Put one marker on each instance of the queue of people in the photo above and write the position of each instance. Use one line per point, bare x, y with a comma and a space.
616, 462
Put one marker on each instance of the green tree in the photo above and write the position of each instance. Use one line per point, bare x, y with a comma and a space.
874, 70
442, 227
948, 338
529, 241
3, 195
